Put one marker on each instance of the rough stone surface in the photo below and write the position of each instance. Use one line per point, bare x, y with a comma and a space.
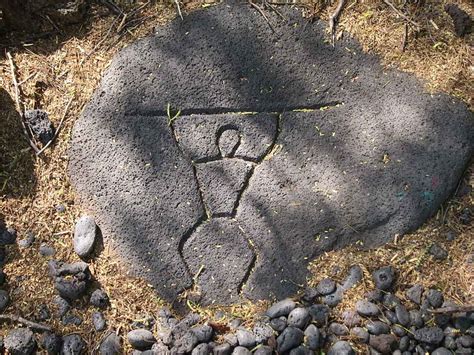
341, 348
84, 236
39, 123
141, 339
20, 341
73, 345
377, 162
111, 345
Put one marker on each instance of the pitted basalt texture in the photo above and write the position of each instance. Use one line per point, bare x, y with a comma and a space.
342, 151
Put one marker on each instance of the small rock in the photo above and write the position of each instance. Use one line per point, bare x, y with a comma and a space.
351, 318
84, 236
43, 313
28, 241
46, 250
466, 341
60, 208
384, 278
4, 300
69, 319
282, 308
404, 343
98, 320
391, 301
361, 334
263, 350
341, 348
110, 345
71, 289
262, 332
441, 351
416, 319
399, 330
40, 125
99, 299
374, 296
438, 252
309, 295
7, 236
414, 294
430, 335
203, 333
333, 299
201, 349
299, 318
235, 323
355, 276
383, 343
290, 338
338, 329
231, 339
312, 337
435, 298
73, 345
20, 341
319, 314
451, 235
51, 343
450, 343
326, 286
246, 338
160, 349
222, 349
466, 216
186, 343
62, 305
402, 315
366, 308
391, 316
278, 324
141, 339
462, 323
377, 328
240, 350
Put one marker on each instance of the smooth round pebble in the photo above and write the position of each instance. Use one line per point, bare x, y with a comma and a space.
141, 339
246, 338
312, 337
84, 236
98, 320
377, 327
111, 345
341, 348
290, 338
299, 318
240, 350
366, 308
282, 308
326, 286
361, 334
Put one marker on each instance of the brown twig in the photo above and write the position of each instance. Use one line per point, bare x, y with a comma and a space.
334, 18
19, 104
28, 323
263, 14
178, 8
405, 38
401, 14
57, 129
453, 309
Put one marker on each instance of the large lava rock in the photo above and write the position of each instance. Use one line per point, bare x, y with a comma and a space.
286, 147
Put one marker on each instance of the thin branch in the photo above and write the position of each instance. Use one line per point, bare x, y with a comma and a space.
401, 14
334, 18
19, 105
263, 14
405, 38
57, 129
28, 323
178, 8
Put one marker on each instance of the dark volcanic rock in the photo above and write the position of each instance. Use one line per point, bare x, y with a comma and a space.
299, 318
290, 338
377, 327
461, 19
282, 308
435, 298
354, 277
361, 334
40, 125
430, 335
246, 338
333, 299
384, 278
51, 343
99, 298
73, 345
7, 236
142, 339
46, 250
214, 66
312, 337
341, 348
20, 341
438, 252
319, 314
262, 332
383, 343
414, 293
4, 300
326, 286
367, 309
111, 345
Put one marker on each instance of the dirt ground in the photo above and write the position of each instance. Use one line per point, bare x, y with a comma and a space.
58, 73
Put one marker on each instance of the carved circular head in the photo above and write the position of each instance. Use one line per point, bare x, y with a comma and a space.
285, 147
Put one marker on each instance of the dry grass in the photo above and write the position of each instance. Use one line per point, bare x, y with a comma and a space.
70, 65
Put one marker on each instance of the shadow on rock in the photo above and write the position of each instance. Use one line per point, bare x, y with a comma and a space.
16, 159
